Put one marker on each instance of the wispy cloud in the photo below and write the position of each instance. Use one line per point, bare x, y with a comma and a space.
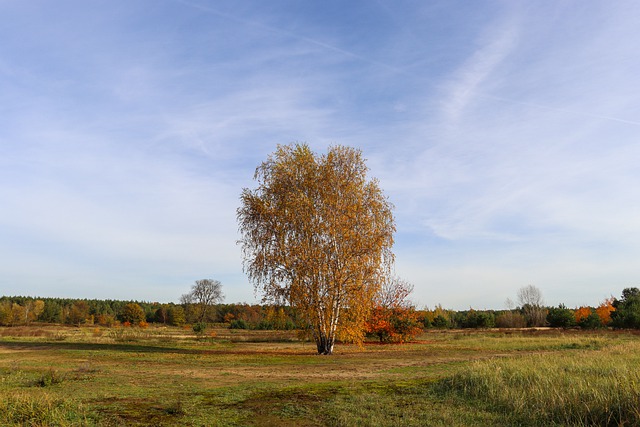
293, 35
477, 74
505, 134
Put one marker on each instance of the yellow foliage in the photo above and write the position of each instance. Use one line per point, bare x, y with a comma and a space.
317, 234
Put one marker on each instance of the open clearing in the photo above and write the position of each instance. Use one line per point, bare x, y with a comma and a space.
163, 376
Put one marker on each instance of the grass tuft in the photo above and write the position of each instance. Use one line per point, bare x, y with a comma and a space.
42, 410
49, 378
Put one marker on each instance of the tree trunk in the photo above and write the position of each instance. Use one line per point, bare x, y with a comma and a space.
325, 344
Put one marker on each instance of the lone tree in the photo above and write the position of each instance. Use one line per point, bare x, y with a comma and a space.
317, 234
204, 294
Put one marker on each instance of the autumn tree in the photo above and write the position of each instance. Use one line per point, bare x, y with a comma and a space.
604, 311
32, 309
133, 313
317, 235
393, 317
204, 295
582, 313
78, 313
175, 315
11, 314
5, 313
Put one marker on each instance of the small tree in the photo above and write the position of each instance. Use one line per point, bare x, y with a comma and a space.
441, 322
199, 328
592, 321
604, 311
393, 317
532, 305
203, 296
511, 318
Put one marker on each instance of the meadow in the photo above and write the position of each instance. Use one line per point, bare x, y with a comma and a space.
72, 376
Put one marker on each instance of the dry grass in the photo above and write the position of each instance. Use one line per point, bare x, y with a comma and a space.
584, 388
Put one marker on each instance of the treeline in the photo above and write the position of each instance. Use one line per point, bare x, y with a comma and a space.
621, 313
19, 310
584, 317
396, 324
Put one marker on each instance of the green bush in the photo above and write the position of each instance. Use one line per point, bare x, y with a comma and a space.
199, 328
479, 319
440, 322
238, 324
592, 321
49, 378
561, 317
627, 313
264, 325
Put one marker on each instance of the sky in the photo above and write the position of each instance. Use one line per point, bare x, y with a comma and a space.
506, 134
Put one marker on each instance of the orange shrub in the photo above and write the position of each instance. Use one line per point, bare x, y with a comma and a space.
398, 324
582, 313
604, 311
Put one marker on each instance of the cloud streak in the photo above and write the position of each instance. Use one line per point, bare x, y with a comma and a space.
504, 134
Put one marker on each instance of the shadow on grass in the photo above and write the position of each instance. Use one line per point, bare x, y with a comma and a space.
150, 348
124, 347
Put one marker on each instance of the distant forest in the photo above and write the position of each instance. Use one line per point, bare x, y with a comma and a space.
623, 312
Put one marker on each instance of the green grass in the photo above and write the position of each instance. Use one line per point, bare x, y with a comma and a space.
166, 376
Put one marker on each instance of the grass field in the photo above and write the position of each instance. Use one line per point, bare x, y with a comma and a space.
162, 376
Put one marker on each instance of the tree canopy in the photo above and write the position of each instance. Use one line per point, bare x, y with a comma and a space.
317, 234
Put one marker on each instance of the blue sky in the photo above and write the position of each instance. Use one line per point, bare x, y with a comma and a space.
505, 133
